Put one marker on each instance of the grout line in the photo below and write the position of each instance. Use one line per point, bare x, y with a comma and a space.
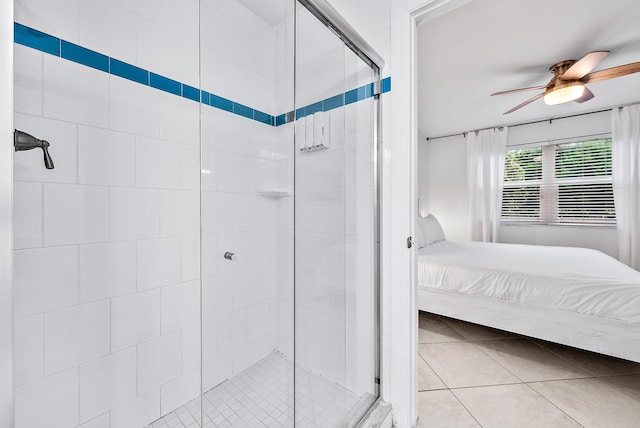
438, 376
551, 402
603, 379
465, 407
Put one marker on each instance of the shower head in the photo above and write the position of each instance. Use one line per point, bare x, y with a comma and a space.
23, 141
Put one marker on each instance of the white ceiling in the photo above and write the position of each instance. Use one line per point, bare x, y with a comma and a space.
485, 46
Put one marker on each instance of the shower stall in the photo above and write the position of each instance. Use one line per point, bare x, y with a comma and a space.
202, 247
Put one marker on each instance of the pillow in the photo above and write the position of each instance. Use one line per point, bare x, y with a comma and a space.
431, 229
418, 239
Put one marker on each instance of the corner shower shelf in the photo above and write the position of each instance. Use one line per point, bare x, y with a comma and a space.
272, 192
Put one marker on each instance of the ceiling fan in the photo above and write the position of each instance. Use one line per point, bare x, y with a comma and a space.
570, 77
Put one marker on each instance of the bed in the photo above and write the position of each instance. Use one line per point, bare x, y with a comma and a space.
573, 296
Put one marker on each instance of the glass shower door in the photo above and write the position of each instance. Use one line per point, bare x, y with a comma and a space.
335, 222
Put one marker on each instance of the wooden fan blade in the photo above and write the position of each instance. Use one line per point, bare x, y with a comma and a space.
529, 101
584, 65
511, 91
586, 96
611, 73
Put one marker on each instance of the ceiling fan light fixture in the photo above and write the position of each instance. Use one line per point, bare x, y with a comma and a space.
563, 93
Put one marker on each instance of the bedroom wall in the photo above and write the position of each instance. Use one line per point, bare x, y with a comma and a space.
447, 196
443, 175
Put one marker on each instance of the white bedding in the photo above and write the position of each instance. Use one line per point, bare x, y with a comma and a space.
572, 279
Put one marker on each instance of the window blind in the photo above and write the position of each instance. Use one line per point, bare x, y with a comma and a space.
583, 177
522, 181
567, 183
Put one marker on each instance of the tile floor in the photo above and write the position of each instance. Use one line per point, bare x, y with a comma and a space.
471, 376
263, 396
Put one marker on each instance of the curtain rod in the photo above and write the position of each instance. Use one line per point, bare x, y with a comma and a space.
551, 119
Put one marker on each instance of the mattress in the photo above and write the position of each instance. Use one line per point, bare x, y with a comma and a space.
564, 278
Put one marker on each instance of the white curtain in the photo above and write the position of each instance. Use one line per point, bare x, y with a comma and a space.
626, 182
485, 169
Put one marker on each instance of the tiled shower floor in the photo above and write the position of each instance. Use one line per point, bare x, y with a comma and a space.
262, 396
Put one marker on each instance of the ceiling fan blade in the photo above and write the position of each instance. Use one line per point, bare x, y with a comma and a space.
529, 101
586, 96
610, 73
584, 65
511, 91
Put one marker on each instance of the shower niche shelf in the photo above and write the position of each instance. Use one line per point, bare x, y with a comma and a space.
273, 192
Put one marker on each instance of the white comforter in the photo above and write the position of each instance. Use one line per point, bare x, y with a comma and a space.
573, 279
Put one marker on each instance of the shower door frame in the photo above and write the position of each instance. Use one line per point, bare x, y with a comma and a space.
328, 16
6, 213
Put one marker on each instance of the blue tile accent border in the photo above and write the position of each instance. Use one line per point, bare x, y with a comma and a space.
128, 71
46, 43
36, 39
386, 84
165, 84
281, 119
191, 93
265, 118
349, 97
84, 56
221, 103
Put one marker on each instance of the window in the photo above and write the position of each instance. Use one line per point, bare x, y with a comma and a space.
559, 183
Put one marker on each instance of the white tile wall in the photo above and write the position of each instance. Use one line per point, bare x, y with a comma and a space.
27, 228
135, 318
190, 261
52, 401
159, 49
259, 318
134, 213
27, 80
157, 163
28, 348
75, 93
75, 335
179, 391
215, 372
102, 421
45, 279
159, 361
134, 108
179, 119
179, 212
217, 295
138, 412
180, 306
158, 262
190, 348
232, 330
107, 382
59, 18
190, 167
97, 20
75, 214
245, 356
107, 270
105, 157
210, 349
